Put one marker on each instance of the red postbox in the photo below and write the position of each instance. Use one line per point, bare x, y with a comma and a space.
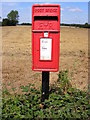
45, 37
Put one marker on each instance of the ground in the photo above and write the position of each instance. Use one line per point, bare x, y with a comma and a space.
17, 58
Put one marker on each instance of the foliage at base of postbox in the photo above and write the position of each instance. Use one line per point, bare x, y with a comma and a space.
69, 104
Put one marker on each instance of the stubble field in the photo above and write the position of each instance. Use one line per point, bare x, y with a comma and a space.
17, 58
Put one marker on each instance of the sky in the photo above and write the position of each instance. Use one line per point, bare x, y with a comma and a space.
71, 12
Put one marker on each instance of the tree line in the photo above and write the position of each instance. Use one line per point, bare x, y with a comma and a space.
86, 25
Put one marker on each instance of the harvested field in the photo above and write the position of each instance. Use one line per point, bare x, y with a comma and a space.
17, 59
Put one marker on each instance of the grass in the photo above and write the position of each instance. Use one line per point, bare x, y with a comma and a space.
65, 102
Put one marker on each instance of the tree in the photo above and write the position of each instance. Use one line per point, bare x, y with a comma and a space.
0, 18
86, 24
5, 22
0, 21
13, 16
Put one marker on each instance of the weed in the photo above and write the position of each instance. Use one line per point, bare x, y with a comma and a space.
63, 81
14, 89
64, 102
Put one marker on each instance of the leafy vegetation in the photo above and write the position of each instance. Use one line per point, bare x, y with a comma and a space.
12, 19
65, 102
13, 15
7, 22
25, 24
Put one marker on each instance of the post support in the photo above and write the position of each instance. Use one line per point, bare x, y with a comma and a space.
45, 86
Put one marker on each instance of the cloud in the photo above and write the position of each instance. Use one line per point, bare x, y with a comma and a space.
75, 9
62, 9
11, 4
47, 3
61, 15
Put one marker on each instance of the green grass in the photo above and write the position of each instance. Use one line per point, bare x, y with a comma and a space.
64, 103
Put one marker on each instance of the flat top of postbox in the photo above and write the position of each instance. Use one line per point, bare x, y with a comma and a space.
46, 9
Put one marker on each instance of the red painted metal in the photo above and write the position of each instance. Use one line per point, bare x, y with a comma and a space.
45, 18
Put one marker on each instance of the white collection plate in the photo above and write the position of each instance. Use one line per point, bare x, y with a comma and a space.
45, 48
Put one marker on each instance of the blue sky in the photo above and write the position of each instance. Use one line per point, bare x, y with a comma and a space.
71, 12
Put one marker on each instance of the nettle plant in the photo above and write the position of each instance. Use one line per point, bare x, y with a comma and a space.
63, 81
